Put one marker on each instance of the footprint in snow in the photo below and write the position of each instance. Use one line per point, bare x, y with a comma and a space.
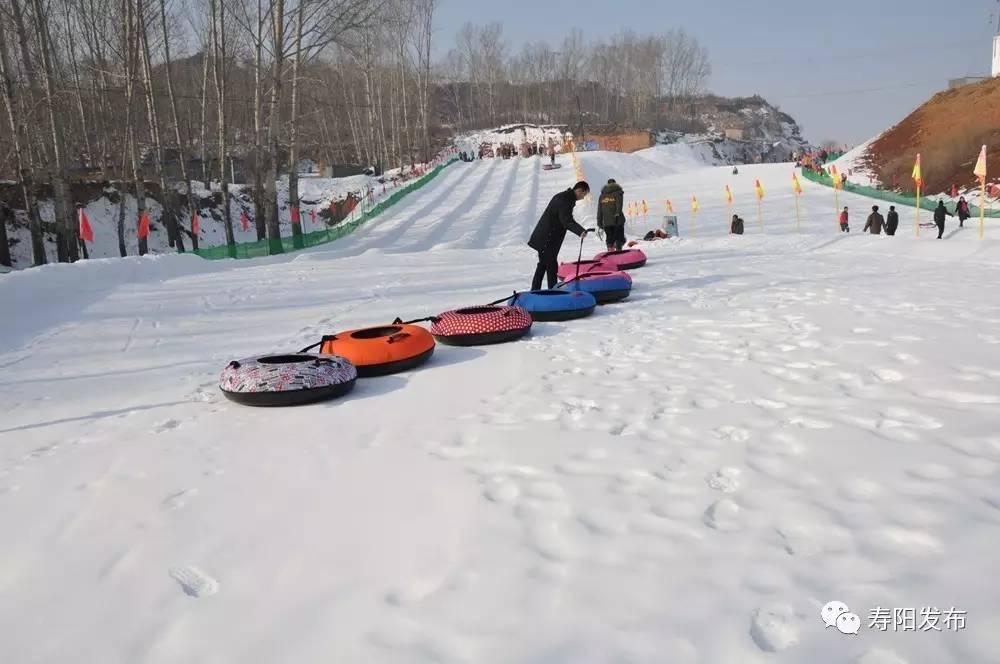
194, 582
775, 628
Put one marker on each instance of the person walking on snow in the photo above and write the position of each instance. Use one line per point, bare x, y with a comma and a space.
940, 212
736, 227
875, 222
610, 215
550, 231
844, 226
552, 154
963, 211
891, 221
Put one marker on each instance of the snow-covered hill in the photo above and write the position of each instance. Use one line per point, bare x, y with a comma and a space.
770, 422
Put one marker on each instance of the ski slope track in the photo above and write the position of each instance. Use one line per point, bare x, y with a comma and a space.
769, 423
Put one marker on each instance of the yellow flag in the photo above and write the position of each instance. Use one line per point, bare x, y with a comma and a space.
917, 175
980, 170
645, 208
796, 185
670, 207
694, 204
760, 190
729, 195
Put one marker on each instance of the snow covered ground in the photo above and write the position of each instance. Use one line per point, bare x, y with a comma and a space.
769, 423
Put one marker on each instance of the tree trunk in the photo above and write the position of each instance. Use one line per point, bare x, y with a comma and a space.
23, 169
132, 48
68, 231
273, 126
84, 129
205, 174
219, 44
293, 171
4, 246
258, 127
181, 151
167, 195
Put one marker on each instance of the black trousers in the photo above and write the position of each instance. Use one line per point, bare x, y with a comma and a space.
940, 225
548, 266
614, 237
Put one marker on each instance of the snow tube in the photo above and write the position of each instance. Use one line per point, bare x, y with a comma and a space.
476, 326
568, 270
382, 350
554, 305
549, 167
287, 380
626, 259
604, 286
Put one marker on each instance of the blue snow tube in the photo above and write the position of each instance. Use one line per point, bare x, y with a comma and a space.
604, 286
553, 305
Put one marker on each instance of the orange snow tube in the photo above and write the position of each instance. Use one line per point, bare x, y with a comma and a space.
377, 351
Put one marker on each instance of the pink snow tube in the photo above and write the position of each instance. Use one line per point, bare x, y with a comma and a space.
626, 259
568, 270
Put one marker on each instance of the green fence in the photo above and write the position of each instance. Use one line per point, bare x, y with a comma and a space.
926, 202
312, 239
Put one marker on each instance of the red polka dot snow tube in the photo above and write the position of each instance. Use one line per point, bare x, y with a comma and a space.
626, 259
569, 270
477, 326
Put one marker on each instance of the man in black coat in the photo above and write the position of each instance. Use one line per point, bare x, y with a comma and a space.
891, 221
547, 238
939, 214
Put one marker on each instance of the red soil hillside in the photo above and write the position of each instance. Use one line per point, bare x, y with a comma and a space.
948, 131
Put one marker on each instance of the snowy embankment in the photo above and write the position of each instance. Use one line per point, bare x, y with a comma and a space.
315, 196
770, 422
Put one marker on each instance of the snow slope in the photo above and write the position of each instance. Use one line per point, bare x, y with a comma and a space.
771, 422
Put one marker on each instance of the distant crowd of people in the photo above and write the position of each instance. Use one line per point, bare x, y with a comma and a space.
508, 151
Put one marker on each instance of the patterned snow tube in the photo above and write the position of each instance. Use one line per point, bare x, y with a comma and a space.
378, 351
568, 270
604, 286
626, 259
287, 380
555, 305
478, 326
549, 167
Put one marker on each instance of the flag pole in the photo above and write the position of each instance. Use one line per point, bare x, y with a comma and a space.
982, 211
916, 223
760, 217
798, 216
836, 205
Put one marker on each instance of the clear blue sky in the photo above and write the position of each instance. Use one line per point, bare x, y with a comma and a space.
844, 69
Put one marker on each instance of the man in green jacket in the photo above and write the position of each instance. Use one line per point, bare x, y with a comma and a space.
610, 216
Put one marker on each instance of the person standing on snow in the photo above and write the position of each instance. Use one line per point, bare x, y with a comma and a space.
891, 221
552, 154
550, 231
736, 227
610, 215
844, 226
940, 212
875, 222
963, 211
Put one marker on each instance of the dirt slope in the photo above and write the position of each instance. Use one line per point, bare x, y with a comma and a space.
948, 131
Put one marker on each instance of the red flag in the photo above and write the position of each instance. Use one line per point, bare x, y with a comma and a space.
86, 232
954, 191
312, 216
195, 223
143, 224
244, 220
995, 191
295, 214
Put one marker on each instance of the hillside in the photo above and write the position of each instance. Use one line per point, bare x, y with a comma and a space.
948, 131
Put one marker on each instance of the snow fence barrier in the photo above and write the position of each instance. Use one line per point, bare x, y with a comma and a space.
262, 247
927, 202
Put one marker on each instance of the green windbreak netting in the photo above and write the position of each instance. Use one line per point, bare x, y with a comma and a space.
314, 238
926, 203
